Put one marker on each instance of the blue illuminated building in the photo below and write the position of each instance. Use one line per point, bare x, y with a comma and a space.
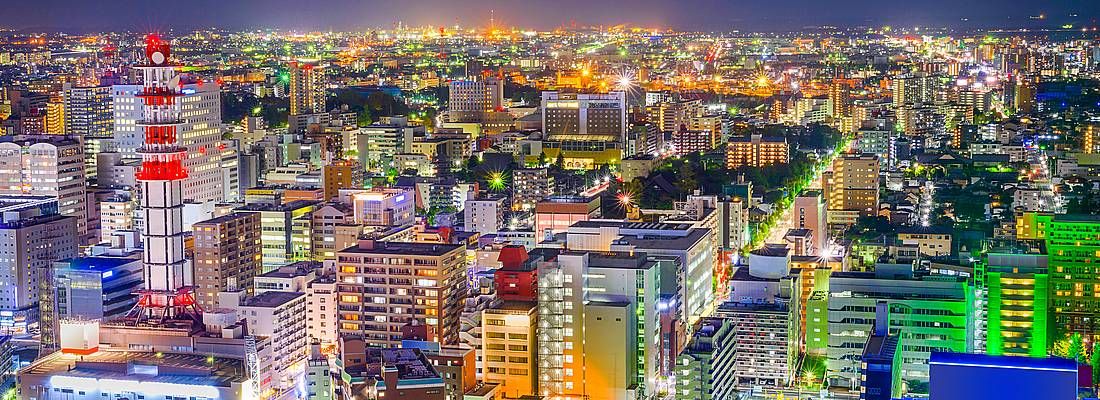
959, 376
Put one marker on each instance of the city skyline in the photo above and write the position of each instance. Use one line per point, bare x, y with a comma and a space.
700, 15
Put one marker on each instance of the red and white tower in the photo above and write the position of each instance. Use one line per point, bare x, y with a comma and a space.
168, 278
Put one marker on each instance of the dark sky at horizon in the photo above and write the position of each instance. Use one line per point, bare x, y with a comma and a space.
708, 15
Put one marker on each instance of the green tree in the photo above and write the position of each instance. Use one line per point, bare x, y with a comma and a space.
560, 161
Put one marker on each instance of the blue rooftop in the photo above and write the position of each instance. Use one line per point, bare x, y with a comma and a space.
98, 263
986, 361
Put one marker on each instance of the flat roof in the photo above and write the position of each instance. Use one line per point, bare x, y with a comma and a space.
405, 248
184, 369
98, 263
1010, 362
272, 298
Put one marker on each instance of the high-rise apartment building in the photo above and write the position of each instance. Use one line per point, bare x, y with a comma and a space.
530, 186
598, 316
852, 188
226, 255
840, 99
1016, 303
307, 88
808, 212
385, 286
47, 165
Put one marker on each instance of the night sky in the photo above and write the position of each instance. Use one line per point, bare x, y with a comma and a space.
713, 15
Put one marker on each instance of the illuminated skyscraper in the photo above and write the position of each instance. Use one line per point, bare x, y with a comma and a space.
87, 112
307, 88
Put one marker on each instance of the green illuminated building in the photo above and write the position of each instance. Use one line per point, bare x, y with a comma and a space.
928, 314
1016, 304
1073, 264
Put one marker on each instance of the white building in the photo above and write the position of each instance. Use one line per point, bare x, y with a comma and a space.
47, 165
199, 133
485, 215
321, 318
280, 316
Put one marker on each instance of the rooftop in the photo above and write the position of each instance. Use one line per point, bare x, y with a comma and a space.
402, 248
187, 369
271, 299
98, 263
1010, 362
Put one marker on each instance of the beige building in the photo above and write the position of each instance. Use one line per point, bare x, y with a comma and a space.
931, 241
509, 347
384, 286
227, 255
307, 88
756, 151
852, 188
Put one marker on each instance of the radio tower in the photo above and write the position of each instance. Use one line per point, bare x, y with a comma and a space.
167, 295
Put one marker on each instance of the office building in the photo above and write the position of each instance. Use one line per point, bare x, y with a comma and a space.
756, 151
379, 142
880, 367
509, 347
381, 207
557, 213
586, 129
96, 287
1072, 244
35, 242
334, 229
471, 100
321, 315
848, 307
226, 255
286, 231
47, 165
197, 130
384, 286
88, 113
